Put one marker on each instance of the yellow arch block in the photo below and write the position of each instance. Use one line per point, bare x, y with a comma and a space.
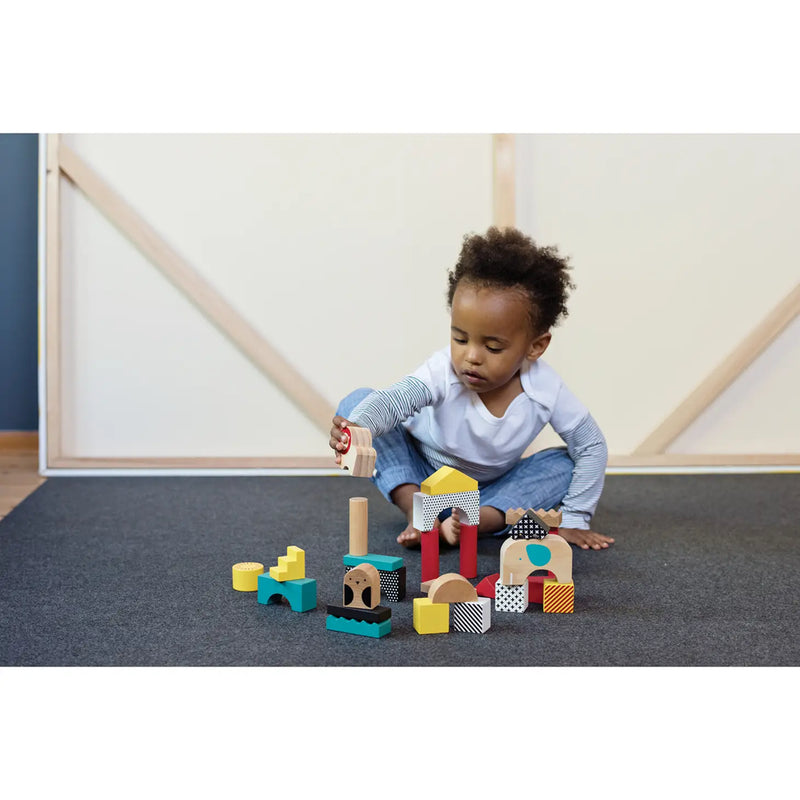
448, 481
291, 567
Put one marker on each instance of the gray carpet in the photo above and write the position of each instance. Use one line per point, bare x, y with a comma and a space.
137, 571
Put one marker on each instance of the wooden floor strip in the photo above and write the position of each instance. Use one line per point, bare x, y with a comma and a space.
19, 468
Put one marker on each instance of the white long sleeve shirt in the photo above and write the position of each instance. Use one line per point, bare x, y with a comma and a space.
454, 428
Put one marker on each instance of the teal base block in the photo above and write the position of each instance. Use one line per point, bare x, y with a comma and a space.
358, 627
385, 563
301, 594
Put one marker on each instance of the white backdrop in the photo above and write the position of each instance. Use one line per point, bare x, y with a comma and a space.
297, 232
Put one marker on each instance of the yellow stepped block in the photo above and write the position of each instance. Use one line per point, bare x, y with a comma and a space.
431, 617
448, 481
558, 598
291, 567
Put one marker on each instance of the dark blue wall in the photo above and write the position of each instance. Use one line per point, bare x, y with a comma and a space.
19, 179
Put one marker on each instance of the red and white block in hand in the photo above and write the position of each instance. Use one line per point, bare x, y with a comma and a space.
358, 457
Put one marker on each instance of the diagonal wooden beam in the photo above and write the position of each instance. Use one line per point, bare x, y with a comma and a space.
197, 289
723, 376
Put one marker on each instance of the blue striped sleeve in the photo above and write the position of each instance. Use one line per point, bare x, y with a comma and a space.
587, 447
385, 409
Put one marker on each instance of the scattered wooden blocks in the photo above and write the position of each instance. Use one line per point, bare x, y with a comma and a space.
431, 617
473, 616
245, 576
559, 598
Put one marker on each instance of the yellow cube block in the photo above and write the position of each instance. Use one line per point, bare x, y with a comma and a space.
431, 617
558, 598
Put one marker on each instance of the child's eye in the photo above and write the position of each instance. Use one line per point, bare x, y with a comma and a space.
494, 349
459, 341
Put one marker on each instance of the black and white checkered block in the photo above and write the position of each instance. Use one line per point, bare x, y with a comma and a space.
473, 616
427, 507
529, 526
511, 598
393, 583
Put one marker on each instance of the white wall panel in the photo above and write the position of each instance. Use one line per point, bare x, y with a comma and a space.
296, 232
681, 245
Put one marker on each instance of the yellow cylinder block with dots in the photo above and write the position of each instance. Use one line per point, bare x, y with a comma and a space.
245, 576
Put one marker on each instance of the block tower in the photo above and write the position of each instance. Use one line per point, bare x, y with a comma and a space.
391, 570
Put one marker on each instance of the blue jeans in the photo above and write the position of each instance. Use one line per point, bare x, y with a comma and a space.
540, 481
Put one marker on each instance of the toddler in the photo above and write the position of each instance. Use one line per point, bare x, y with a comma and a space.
479, 403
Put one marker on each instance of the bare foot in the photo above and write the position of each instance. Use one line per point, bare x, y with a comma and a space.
450, 529
585, 539
409, 537
449, 532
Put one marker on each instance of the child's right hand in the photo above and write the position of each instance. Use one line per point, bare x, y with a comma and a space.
338, 440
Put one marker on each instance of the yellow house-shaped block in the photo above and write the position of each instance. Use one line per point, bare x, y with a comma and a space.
448, 481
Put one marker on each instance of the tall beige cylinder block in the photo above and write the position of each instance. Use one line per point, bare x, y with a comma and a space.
358, 526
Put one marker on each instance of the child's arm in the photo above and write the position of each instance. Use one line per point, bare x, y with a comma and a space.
383, 410
587, 448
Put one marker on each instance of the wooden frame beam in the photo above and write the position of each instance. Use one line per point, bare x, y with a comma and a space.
723, 376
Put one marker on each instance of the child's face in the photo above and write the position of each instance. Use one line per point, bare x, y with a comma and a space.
491, 336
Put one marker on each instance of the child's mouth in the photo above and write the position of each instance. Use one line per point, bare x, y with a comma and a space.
473, 377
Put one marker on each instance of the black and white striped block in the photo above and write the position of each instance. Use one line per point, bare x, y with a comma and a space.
472, 616
511, 598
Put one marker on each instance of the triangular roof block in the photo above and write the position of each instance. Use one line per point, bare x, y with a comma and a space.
448, 481
530, 526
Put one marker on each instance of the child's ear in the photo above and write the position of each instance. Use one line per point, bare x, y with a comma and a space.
538, 346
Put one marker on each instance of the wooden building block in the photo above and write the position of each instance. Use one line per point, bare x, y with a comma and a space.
551, 518
510, 598
451, 588
431, 617
559, 598
427, 507
529, 526
301, 594
359, 457
393, 581
429, 547
474, 616
381, 563
291, 567
374, 630
468, 551
448, 481
245, 576
520, 557
358, 526
377, 614
362, 587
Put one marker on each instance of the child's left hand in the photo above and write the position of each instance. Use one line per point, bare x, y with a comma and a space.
585, 539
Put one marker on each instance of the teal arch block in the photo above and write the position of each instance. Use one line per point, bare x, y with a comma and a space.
301, 593
358, 627
381, 563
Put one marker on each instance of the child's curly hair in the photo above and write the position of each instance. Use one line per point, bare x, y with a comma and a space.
507, 258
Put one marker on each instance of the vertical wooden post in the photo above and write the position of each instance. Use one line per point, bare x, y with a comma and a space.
504, 199
52, 309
